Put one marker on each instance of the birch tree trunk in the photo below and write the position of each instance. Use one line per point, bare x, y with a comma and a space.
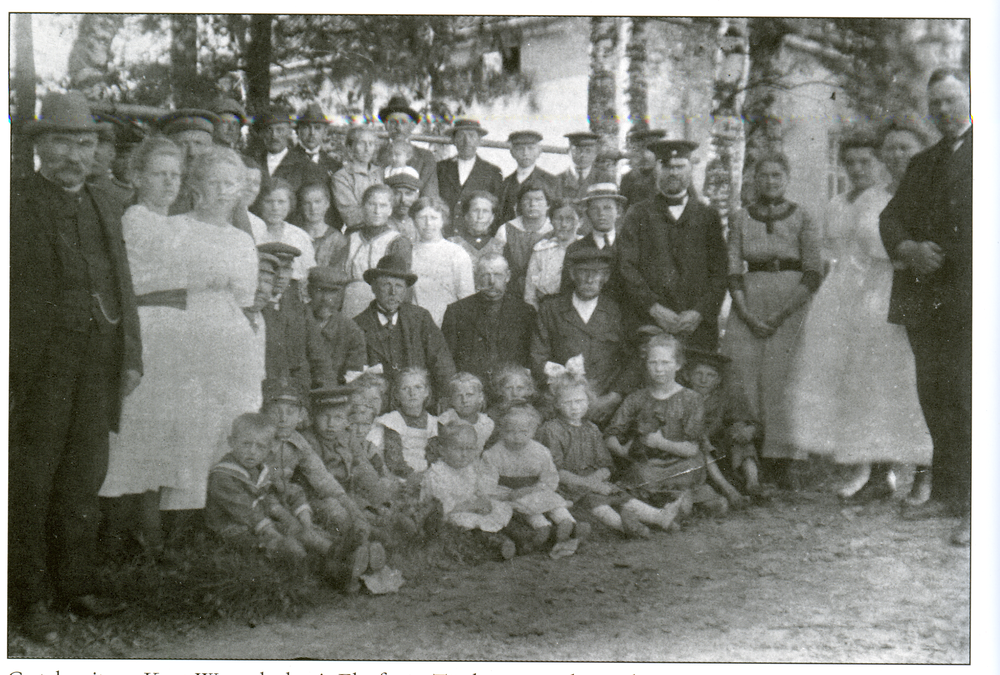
183, 59
604, 55
638, 84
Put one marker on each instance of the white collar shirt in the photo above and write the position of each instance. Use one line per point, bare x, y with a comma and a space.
464, 169
274, 160
585, 308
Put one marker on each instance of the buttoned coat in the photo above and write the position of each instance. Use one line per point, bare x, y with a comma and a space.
290, 336
933, 203
423, 344
680, 264
341, 347
36, 302
484, 176
481, 349
560, 334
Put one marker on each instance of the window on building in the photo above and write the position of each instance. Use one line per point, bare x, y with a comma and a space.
836, 177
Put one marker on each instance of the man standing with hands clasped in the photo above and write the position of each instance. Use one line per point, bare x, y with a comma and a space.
927, 231
672, 257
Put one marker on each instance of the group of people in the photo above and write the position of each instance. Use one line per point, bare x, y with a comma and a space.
331, 359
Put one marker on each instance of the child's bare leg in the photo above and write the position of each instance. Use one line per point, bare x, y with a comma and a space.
860, 476
608, 516
716, 478
750, 475
651, 515
564, 523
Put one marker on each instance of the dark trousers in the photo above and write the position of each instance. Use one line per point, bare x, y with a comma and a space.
57, 462
943, 357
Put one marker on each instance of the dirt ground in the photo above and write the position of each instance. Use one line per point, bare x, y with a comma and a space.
802, 579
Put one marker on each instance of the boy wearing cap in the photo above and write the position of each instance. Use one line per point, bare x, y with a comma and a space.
405, 190
288, 330
460, 176
672, 255
341, 345
574, 181
525, 148
585, 321
401, 121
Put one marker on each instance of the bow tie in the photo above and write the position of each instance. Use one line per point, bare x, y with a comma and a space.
674, 201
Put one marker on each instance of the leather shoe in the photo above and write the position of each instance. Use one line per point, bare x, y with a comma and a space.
872, 491
962, 534
927, 510
38, 624
95, 606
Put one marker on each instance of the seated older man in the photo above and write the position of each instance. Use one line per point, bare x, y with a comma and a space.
491, 328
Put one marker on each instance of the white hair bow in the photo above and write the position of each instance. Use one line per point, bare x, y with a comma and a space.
352, 375
574, 366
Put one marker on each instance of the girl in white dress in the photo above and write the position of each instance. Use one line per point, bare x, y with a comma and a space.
468, 405
443, 268
411, 420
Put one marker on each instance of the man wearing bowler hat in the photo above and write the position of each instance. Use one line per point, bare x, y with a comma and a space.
75, 353
401, 121
398, 334
271, 141
341, 346
462, 175
672, 256
525, 148
583, 149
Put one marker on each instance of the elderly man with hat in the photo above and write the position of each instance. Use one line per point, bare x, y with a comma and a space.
232, 118
399, 334
75, 353
586, 321
525, 148
640, 182
603, 205
341, 346
460, 176
672, 255
583, 149
288, 329
400, 121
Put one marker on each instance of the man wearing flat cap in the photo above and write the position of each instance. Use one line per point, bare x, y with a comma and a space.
672, 255
585, 321
75, 353
401, 121
460, 176
639, 183
399, 334
341, 346
581, 174
405, 190
525, 148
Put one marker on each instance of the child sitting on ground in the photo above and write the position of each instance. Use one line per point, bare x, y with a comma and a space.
467, 405
730, 427
411, 420
584, 463
660, 430
511, 383
525, 466
243, 507
469, 493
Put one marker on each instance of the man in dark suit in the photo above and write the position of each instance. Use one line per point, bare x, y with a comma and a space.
581, 173
525, 148
585, 321
927, 229
307, 162
491, 328
460, 176
400, 335
342, 344
672, 256
75, 353
602, 205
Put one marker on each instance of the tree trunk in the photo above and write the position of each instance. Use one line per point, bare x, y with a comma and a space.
258, 63
183, 59
638, 85
603, 68
90, 57
22, 151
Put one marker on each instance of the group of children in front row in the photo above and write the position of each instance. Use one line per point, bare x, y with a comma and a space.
528, 475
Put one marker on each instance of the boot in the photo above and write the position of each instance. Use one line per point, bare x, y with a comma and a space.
920, 492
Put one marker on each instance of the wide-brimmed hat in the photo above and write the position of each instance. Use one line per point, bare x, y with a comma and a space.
398, 104
603, 191
313, 114
189, 119
467, 125
390, 266
230, 106
590, 256
327, 277
668, 150
66, 113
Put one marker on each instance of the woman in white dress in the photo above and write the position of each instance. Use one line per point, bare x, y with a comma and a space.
277, 200
853, 390
366, 246
546, 264
443, 268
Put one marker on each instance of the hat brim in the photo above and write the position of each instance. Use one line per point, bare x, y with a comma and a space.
373, 274
618, 198
34, 127
390, 109
479, 130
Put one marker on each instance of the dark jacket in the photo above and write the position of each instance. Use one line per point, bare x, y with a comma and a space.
290, 336
423, 160
507, 210
484, 176
560, 334
481, 348
681, 265
423, 344
37, 303
613, 288
933, 203
341, 347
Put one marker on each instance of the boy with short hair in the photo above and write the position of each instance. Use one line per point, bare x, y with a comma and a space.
405, 186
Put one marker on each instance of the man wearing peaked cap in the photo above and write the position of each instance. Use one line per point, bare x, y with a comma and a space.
289, 333
640, 182
405, 190
75, 354
342, 344
401, 121
525, 148
467, 172
673, 260
399, 334
583, 149
190, 128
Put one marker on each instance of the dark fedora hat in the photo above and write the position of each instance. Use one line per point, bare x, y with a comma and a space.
313, 114
467, 125
390, 266
398, 104
275, 113
66, 113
